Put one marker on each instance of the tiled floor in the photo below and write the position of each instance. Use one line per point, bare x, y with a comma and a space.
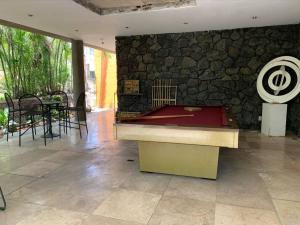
91, 182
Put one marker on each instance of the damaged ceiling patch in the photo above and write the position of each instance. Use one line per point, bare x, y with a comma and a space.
105, 7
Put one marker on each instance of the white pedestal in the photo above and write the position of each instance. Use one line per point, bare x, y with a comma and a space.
273, 119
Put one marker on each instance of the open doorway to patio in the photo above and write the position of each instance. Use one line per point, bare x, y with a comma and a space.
101, 79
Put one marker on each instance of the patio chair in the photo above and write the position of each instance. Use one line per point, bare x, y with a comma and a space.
12, 111
2, 207
79, 108
30, 107
63, 108
3, 200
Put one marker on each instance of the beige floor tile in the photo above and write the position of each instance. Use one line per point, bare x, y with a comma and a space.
129, 205
68, 194
187, 207
121, 164
179, 219
24, 157
234, 215
243, 144
146, 182
10, 149
265, 143
289, 212
290, 139
10, 182
101, 220
194, 188
243, 188
54, 216
283, 185
91, 172
17, 211
293, 147
36, 169
62, 156
92, 169
295, 158
275, 161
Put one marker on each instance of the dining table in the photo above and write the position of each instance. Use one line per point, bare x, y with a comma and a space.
50, 105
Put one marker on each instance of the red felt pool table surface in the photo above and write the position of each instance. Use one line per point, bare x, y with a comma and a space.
208, 116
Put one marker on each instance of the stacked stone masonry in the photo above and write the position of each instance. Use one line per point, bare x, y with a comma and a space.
209, 68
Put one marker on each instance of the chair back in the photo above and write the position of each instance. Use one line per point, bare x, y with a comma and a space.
81, 101
9, 102
3, 199
63, 95
30, 102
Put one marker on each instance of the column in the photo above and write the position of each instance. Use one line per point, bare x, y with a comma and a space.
78, 70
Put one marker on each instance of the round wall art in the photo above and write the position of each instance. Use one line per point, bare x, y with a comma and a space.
279, 80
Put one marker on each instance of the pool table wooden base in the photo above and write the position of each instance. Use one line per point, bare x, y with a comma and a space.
179, 159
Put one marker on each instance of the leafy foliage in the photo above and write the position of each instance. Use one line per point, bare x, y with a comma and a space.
3, 118
33, 63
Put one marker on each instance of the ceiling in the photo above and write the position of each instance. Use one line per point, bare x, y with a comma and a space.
70, 19
129, 3
105, 7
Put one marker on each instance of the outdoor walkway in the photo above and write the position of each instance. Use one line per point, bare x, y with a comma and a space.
96, 181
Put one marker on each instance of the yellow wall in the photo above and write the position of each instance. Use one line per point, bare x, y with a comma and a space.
105, 96
111, 81
97, 58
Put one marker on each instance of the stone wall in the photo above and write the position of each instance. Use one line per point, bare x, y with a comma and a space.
210, 68
293, 119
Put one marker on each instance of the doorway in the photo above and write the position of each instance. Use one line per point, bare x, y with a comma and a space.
101, 79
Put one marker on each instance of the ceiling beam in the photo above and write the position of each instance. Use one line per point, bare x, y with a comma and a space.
49, 34
33, 30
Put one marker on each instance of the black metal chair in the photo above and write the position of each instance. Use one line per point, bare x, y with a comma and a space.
30, 107
79, 109
62, 108
3, 200
12, 111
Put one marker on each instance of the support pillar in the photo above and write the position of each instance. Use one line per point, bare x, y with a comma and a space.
78, 70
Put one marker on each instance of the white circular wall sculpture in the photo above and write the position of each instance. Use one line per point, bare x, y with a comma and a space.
279, 80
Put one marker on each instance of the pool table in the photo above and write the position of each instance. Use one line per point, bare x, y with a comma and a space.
181, 140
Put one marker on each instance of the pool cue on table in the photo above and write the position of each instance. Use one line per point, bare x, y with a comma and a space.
157, 117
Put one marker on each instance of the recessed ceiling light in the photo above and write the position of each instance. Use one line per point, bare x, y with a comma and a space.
185, 23
30, 15
254, 17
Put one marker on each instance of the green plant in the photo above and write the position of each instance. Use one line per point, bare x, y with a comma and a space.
3, 118
57, 98
33, 63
